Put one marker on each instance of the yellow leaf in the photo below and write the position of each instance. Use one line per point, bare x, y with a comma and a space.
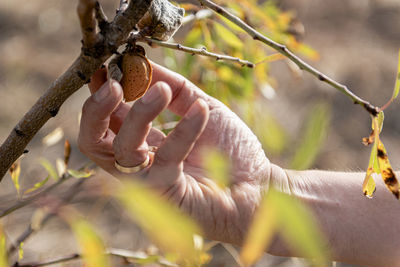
37, 185
15, 172
164, 223
228, 37
3, 249
388, 175
369, 186
260, 234
93, 250
20, 251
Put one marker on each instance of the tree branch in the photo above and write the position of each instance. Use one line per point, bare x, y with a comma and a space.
91, 59
30, 229
194, 51
26, 201
286, 52
86, 14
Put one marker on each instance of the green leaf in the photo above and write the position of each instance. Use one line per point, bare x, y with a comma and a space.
92, 246
228, 37
164, 223
397, 85
37, 185
298, 227
314, 133
81, 174
3, 249
49, 168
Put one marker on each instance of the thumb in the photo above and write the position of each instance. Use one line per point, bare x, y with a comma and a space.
97, 110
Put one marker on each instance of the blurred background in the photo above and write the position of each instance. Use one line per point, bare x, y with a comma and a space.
354, 42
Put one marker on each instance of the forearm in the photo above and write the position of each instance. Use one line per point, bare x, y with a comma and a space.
359, 230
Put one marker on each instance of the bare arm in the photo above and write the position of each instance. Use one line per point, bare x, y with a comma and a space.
359, 230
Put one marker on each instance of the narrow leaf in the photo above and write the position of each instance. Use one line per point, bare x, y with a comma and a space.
397, 85
49, 168
388, 175
15, 172
369, 185
92, 247
314, 133
260, 235
298, 227
37, 185
81, 174
167, 226
54, 137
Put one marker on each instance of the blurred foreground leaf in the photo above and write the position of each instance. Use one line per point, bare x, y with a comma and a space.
315, 131
93, 250
3, 249
282, 213
49, 168
217, 167
37, 185
165, 224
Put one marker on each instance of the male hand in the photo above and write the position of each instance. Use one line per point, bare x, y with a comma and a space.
113, 131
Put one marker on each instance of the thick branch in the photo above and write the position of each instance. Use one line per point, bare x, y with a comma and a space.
74, 78
286, 52
194, 51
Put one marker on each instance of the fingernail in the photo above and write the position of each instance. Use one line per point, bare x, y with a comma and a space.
195, 109
150, 96
103, 92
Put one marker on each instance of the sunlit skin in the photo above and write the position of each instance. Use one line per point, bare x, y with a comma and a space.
358, 230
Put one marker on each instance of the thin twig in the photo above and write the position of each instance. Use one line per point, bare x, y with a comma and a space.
285, 51
26, 201
194, 51
86, 14
199, 15
79, 73
46, 263
128, 256
72, 191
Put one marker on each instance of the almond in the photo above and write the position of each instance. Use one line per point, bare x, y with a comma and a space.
137, 73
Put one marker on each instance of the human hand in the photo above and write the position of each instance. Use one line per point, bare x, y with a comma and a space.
113, 131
